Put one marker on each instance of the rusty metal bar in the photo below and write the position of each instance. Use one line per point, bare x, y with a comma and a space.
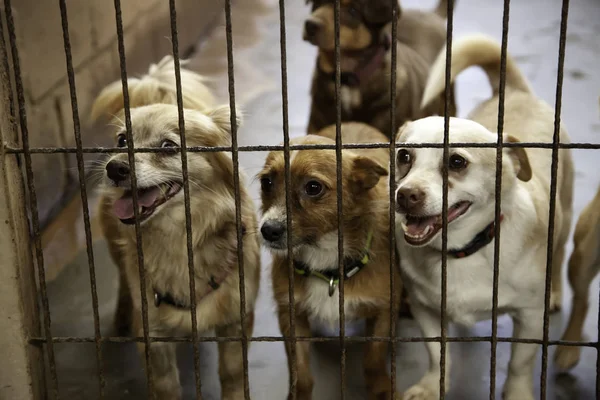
318, 339
266, 148
236, 184
291, 341
498, 199
392, 185
339, 192
445, 157
134, 194
39, 255
83, 191
186, 198
553, 178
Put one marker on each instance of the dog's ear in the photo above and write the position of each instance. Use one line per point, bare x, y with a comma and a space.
221, 116
519, 159
402, 131
366, 173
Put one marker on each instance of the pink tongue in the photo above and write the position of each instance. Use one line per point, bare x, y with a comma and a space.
123, 207
416, 227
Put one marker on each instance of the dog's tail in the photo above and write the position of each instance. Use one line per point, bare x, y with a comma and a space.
157, 86
442, 8
477, 49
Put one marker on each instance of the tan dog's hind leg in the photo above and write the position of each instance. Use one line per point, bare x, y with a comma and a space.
231, 363
584, 265
304, 382
379, 384
163, 360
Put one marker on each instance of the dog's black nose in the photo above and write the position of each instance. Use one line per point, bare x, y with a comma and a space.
311, 28
272, 230
117, 171
410, 199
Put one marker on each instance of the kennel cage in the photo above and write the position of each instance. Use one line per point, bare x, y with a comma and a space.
32, 367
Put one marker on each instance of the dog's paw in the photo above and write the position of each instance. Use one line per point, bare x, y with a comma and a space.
422, 392
518, 391
566, 357
555, 302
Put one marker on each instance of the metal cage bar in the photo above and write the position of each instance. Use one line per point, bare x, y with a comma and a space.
186, 198
83, 191
553, 188
236, 184
497, 198
134, 194
35, 222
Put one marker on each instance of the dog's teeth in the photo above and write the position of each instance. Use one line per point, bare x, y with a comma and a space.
404, 226
429, 228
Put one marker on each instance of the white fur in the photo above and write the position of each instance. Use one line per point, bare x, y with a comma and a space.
470, 279
351, 98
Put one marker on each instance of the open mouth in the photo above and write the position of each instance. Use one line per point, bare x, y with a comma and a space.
149, 199
419, 230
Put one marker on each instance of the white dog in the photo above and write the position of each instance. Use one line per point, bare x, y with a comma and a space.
471, 210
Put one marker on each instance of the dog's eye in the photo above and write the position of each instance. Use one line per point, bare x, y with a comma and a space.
404, 157
266, 184
313, 188
121, 140
168, 143
457, 162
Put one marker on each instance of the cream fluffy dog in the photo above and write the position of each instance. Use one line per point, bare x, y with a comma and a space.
471, 194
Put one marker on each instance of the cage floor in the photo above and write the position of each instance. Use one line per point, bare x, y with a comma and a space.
533, 41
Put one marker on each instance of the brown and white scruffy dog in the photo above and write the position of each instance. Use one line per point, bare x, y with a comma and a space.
155, 123
314, 241
471, 193
365, 62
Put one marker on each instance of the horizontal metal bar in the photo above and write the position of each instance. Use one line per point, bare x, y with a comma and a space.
356, 339
115, 150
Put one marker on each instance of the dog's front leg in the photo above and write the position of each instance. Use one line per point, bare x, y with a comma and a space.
163, 360
528, 324
231, 363
304, 381
428, 387
379, 384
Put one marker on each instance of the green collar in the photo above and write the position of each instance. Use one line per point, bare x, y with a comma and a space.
332, 276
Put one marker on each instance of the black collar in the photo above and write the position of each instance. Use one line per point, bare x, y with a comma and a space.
332, 276
346, 79
480, 240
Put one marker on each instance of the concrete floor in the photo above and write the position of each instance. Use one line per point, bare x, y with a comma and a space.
533, 41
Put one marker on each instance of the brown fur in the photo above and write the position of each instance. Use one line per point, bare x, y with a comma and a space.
365, 207
421, 35
214, 238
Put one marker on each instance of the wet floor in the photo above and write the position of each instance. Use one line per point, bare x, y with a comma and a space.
533, 41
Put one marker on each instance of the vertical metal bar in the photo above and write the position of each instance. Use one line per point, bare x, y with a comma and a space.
553, 184
447, 98
498, 199
338, 161
83, 191
291, 341
392, 183
598, 356
134, 194
32, 199
186, 198
236, 184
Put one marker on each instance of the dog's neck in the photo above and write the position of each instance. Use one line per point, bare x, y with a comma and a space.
323, 255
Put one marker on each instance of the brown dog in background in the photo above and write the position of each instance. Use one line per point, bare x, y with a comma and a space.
155, 123
365, 62
314, 241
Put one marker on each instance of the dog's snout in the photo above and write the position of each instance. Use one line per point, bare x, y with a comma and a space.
311, 28
117, 171
272, 230
410, 199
